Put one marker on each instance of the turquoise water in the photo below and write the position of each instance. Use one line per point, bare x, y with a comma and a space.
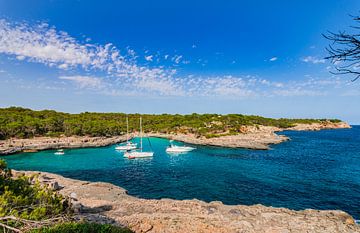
318, 170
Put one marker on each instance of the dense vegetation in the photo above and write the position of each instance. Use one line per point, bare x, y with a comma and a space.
25, 123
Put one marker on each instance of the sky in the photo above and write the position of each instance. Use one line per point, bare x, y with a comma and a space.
250, 57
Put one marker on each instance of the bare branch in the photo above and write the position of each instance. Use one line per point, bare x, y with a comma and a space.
345, 48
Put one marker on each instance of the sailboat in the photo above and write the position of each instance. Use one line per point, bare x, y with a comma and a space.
141, 153
129, 145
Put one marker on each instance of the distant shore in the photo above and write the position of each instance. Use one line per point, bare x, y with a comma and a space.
251, 137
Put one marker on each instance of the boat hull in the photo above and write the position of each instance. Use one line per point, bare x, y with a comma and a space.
179, 149
136, 154
126, 147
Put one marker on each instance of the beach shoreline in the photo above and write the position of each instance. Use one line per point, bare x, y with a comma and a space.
251, 137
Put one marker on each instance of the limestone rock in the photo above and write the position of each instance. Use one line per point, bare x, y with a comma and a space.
106, 203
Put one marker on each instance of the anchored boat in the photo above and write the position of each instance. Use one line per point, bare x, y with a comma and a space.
59, 152
179, 149
129, 145
141, 153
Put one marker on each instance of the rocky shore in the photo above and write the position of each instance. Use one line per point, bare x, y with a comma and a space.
12, 146
251, 137
106, 203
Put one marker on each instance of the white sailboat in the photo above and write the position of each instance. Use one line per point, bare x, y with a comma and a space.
178, 149
59, 152
141, 153
129, 145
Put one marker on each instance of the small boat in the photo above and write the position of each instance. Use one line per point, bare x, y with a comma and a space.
179, 149
59, 152
141, 153
129, 145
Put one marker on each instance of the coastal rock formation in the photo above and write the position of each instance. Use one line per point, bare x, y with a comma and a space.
322, 125
11, 146
106, 203
251, 137
258, 138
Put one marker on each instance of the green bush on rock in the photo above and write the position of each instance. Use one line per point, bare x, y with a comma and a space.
26, 205
21, 201
82, 228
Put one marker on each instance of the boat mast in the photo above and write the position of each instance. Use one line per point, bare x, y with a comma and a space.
127, 129
140, 136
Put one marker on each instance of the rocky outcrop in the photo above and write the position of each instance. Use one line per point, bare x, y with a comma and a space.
258, 138
251, 137
322, 125
106, 203
11, 146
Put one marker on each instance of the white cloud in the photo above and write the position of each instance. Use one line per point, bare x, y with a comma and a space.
176, 59
193, 46
273, 59
149, 58
314, 60
85, 81
112, 71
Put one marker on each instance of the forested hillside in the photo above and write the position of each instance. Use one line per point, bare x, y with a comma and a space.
24, 123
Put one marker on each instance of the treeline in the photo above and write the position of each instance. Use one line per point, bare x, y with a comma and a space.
25, 123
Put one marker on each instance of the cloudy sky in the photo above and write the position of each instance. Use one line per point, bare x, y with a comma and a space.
250, 57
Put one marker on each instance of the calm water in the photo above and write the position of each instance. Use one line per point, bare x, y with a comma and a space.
314, 170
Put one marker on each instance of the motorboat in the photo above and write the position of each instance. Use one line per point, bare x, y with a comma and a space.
129, 145
139, 154
59, 152
179, 149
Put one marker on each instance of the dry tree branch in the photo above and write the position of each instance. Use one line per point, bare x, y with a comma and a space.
13, 229
345, 48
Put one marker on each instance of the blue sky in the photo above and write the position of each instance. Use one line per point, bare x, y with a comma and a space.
251, 57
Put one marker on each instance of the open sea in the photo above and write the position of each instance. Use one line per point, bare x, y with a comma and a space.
315, 169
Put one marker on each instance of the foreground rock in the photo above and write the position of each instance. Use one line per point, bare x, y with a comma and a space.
11, 146
106, 203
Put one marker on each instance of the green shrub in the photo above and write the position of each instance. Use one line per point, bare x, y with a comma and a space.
23, 200
82, 228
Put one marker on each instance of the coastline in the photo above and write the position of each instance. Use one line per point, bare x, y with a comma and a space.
251, 137
12, 146
106, 203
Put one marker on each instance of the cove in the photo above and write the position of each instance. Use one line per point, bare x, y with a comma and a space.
315, 169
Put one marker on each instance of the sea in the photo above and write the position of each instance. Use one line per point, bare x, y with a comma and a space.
315, 169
